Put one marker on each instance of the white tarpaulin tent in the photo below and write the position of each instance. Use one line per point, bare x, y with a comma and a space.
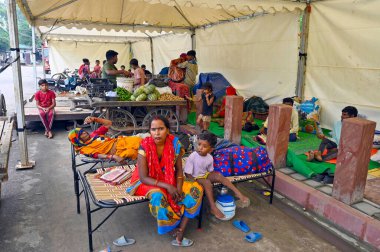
258, 55
343, 65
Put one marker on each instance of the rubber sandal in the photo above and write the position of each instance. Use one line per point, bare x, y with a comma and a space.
241, 225
253, 237
123, 241
319, 177
184, 243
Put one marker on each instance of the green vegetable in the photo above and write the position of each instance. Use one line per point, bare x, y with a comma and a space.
141, 97
124, 95
150, 89
152, 97
139, 91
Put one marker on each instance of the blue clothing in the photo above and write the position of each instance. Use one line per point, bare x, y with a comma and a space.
206, 109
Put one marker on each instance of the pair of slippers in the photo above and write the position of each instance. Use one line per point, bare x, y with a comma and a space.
250, 237
324, 178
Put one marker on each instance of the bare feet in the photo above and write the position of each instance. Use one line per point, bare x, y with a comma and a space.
50, 134
46, 134
217, 213
318, 156
310, 156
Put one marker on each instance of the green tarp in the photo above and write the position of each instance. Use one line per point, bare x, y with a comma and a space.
295, 157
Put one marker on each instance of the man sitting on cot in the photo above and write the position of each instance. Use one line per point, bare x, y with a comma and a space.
98, 145
294, 124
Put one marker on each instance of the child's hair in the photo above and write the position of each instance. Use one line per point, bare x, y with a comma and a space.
191, 53
42, 81
207, 85
97, 61
351, 111
143, 66
288, 100
85, 60
110, 54
161, 118
134, 62
209, 137
122, 66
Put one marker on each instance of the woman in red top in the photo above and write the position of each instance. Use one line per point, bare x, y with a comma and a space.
45, 100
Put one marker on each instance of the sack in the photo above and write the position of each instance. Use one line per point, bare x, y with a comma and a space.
234, 161
240, 160
263, 163
256, 105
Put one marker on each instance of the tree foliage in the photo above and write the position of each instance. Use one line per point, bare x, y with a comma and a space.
24, 30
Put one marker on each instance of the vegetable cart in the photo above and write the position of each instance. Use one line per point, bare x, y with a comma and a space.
131, 116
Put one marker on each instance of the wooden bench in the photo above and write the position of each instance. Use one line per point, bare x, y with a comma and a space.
105, 196
6, 129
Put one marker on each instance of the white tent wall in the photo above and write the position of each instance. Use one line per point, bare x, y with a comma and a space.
257, 56
141, 51
343, 65
69, 54
166, 48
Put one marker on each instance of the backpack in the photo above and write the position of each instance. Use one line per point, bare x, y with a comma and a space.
240, 160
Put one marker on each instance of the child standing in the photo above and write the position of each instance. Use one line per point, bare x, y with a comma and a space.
45, 101
200, 167
207, 98
97, 69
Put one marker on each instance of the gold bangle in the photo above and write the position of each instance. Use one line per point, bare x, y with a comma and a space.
180, 177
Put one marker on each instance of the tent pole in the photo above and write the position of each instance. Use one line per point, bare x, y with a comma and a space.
303, 52
17, 82
34, 57
151, 53
193, 41
43, 60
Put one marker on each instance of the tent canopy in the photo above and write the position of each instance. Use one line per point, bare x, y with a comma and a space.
142, 15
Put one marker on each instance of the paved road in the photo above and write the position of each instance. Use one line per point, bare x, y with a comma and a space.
7, 87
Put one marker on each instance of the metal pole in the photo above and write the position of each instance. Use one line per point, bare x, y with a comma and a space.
303, 52
193, 41
43, 59
151, 53
17, 82
34, 57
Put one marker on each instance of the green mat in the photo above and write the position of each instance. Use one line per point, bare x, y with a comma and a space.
295, 157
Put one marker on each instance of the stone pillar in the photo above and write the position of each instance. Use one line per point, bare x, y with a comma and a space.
278, 133
353, 158
232, 118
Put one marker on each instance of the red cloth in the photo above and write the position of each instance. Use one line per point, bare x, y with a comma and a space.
180, 90
45, 98
101, 131
175, 73
163, 170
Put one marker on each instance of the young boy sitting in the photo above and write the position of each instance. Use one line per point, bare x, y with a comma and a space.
45, 101
200, 167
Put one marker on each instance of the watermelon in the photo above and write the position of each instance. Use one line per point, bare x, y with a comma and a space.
150, 89
138, 91
152, 97
141, 97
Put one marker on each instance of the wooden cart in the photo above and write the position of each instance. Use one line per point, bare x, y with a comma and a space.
131, 116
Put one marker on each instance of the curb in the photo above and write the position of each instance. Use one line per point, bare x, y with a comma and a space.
364, 227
